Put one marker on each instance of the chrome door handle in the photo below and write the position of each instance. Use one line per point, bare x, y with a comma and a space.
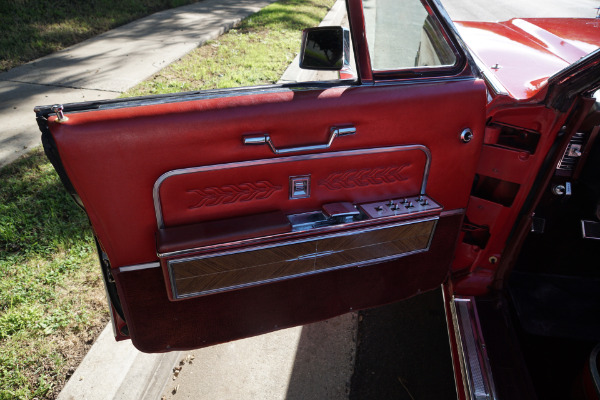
334, 132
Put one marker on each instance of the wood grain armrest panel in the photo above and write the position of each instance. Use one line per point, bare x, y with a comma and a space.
197, 275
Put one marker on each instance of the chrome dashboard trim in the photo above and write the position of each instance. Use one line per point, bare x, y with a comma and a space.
267, 161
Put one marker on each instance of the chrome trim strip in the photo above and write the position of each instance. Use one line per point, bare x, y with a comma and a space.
112, 104
139, 267
489, 77
266, 161
477, 376
423, 80
315, 231
313, 256
271, 245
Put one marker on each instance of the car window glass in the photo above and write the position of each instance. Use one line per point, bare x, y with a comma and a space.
401, 34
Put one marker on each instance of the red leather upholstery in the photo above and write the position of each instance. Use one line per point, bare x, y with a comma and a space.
261, 187
113, 157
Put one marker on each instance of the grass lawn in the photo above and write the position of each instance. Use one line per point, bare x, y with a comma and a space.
34, 28
52, 303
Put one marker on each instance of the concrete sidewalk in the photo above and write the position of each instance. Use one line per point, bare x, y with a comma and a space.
106, 65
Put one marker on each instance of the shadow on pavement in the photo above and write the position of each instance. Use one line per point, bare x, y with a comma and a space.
403, 352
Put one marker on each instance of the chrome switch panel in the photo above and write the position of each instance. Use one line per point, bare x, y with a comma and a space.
299, 187
400, 206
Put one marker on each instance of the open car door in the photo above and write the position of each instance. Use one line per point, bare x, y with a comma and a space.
225, 214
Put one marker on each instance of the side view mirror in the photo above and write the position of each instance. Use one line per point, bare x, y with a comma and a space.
326, 48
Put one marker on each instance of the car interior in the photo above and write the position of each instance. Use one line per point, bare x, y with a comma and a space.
550, 311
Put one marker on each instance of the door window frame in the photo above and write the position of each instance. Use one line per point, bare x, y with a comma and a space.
367, 75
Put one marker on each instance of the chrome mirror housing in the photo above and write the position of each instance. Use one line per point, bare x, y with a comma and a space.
325, 48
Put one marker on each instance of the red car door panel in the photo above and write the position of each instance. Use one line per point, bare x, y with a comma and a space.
126, 165
157, 324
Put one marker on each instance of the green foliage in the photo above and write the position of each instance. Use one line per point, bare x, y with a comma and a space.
34, 28
46, 250
36, 214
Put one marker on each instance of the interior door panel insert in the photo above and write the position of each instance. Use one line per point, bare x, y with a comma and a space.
230, 226
213, 192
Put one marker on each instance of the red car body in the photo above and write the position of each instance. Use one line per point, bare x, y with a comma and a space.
185, 206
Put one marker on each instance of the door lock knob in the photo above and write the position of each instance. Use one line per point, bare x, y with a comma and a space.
466, 135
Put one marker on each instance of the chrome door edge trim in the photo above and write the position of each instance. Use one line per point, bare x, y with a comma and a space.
138, 267
477, 373
266, 161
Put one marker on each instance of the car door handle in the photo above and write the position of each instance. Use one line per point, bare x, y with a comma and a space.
265, 138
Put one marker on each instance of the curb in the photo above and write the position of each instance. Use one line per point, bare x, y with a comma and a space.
117, 370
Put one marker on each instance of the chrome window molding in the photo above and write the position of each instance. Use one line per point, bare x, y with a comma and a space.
489, 77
